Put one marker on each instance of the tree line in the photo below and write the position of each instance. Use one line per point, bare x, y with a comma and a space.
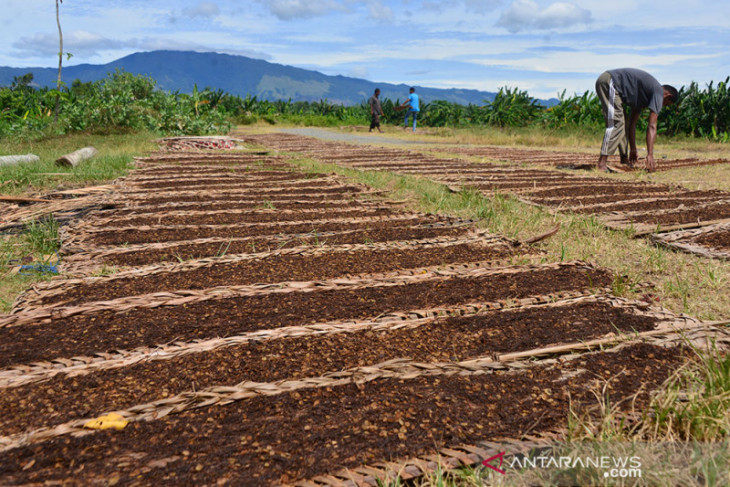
123, 102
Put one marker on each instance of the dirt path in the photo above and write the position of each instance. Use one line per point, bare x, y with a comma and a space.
341, 136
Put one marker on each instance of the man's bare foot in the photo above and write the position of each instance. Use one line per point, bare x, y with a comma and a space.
602, 167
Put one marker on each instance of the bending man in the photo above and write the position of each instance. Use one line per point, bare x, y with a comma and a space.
637, 89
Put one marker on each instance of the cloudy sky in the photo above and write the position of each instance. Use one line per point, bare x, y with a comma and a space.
542, 46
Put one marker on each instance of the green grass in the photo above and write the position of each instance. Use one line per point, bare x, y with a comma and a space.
113, 161
38, 241
695, 404
36, 245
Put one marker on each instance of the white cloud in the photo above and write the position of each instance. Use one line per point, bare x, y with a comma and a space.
378, 11
481, 6
359, 72
589, 62
83, 44
526, 15
203, 9
301, 9
79, 43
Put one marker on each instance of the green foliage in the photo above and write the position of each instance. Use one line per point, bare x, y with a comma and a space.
700, 113
123, 102
512, 108
120, 103
696, 402
576, 111
42, 236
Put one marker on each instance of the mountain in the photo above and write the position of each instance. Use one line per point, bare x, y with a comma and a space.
239, 75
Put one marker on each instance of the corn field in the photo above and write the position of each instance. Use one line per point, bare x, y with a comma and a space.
124, 102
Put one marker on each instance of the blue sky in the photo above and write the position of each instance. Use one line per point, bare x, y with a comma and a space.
540, 46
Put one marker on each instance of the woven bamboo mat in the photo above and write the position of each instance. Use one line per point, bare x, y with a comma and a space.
243, 188
78, 240
217, 172
452, 457
606, 206
683, 240
119, 221
51, 288
82, 365
618, 221
40, 315
15, 216
90, 259
251, 157
624, 221
140, 207
400, 369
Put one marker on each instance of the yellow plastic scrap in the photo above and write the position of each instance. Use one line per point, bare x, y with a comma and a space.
111, 420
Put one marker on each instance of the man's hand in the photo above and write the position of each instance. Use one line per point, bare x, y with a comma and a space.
650, 164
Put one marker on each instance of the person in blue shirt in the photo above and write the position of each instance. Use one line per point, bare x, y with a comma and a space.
413, 108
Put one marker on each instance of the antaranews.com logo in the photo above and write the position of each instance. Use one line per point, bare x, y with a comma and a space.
614, 467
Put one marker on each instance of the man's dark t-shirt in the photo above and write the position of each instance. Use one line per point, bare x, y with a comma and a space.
638, 89
375, 107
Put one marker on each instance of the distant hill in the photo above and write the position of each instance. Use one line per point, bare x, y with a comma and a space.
239, 75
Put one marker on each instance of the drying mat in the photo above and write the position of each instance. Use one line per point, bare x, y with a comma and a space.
684, 240
16, 216
39, 316
623, 220
161, 158
55, 287
251, 192
176, 173
210, 175
617, 221
233, 178
471, 455
148, 209
142, 199
203, 166
112, 222
243, 188
76, 240
568, 160
82, 365
91, 260
197, 143
398, 369
216, 160
569, 205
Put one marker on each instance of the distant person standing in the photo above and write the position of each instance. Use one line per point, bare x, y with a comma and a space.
629, 87
413, 106
376, 111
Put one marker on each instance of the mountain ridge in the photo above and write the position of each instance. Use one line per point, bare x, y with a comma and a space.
240, 75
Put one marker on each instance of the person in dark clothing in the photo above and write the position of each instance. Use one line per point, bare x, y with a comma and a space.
376, 111
619, 89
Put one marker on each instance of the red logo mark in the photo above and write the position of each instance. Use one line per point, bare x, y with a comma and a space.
487, 463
